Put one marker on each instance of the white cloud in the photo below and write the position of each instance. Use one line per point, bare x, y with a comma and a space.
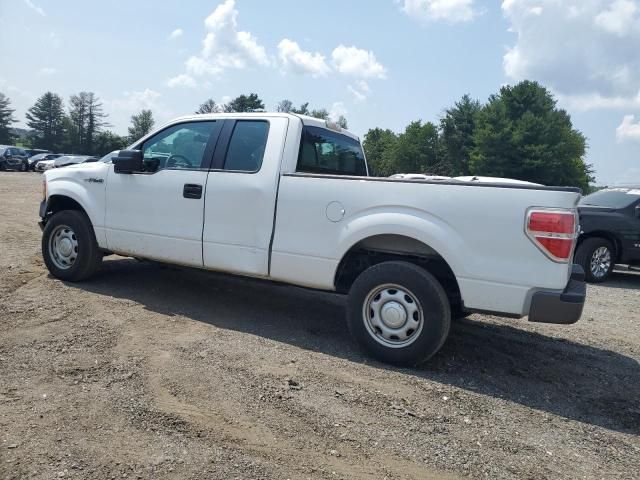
136, 100
224, 46
585, 51
177, 33
129, 103
35, 8
619, 18
356, 62
360, 90
47, 71
434, 10
182, 80
300, 61
595, 101
628, 129
337, 110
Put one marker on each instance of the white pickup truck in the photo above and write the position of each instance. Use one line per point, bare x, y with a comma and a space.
288, 198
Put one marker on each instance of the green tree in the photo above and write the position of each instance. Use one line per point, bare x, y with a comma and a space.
141, 124
245, 103
321, 113
45, 118
521, 134
302, 110
379, 148
209, 106
416, 150
107, 141
6, 119
342, 122
457, 130
284, 106
88, 119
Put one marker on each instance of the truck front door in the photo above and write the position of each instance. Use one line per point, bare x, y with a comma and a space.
159, 213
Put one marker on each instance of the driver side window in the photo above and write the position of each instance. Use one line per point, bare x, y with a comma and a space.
180, 146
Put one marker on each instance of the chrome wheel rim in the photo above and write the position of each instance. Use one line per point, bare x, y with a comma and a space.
393, 316
600, 262
63, 247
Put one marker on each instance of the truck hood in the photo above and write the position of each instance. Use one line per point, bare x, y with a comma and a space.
95, 171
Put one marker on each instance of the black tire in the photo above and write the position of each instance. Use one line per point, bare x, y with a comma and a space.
24, 167
585, 253
89, 256
430, 296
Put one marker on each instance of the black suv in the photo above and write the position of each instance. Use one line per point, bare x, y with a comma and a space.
609, 231
14, 158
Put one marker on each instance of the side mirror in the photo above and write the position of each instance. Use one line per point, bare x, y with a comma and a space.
128, 161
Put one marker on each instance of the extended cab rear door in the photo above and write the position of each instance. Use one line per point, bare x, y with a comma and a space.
159, 213
241, 195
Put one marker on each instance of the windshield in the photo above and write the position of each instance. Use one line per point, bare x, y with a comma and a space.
612, 198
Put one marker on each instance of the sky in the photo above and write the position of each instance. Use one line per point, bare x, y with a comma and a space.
381, 63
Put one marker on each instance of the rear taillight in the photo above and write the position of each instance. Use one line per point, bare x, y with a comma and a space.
553, 232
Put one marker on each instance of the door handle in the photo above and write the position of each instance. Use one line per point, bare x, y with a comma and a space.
191, 190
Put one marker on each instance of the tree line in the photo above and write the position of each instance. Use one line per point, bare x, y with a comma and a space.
518, 133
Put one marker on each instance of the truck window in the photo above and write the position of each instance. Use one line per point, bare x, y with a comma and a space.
331, 153
180, 146
612, 198
247, 145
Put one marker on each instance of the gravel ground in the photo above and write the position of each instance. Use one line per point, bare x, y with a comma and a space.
157, 372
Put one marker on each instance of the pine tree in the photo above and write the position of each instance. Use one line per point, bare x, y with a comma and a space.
45, 118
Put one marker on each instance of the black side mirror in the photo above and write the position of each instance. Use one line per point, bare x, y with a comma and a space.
128, 161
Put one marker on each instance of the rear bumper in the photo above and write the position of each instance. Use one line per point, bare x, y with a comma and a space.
560, 307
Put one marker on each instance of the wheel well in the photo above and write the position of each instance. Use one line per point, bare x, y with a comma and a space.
617, 245
384, 248
57, 203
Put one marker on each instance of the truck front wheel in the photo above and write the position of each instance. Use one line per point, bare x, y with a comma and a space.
399, 313
69, 246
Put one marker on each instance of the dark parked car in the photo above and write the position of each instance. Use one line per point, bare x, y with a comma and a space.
609, 231
34, 159
13, 158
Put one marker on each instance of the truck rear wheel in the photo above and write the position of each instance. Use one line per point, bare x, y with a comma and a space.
69, 246
596, 257
399, 313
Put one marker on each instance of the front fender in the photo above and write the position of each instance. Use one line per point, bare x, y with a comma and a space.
86, 187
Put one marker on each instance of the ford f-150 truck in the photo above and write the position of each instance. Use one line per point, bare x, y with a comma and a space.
288, 198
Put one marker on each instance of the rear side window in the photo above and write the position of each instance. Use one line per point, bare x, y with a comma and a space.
247, 146
331, 153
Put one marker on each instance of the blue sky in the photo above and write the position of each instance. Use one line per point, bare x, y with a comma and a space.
382, 63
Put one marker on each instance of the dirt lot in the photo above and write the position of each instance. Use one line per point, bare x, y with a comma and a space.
157, 372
